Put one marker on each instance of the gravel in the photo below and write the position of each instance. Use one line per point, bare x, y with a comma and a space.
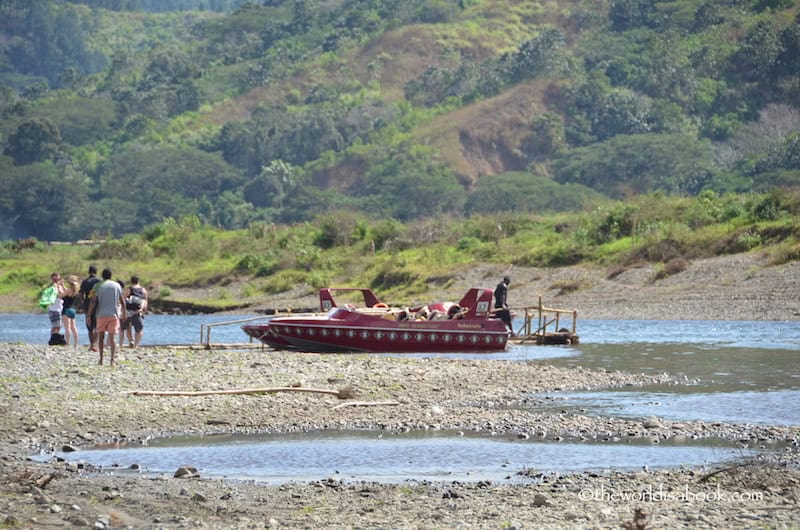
59, 396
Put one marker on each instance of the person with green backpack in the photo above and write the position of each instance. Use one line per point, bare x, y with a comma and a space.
52, 301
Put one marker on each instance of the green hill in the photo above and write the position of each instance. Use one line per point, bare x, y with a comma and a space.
280, 111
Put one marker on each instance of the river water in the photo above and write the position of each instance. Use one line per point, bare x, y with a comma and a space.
396, 457
737, 372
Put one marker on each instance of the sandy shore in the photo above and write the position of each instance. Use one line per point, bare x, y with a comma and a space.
54, 397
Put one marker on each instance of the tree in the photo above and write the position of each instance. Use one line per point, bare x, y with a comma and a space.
634, 164
630, 14
272, 185
788, 60
547, 136
621, 112
166, 182
35, 140
41, 202
408, 183
49, 38
523, 192
80, 120
537, 55
756, 59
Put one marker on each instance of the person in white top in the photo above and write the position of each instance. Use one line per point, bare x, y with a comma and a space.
54, 309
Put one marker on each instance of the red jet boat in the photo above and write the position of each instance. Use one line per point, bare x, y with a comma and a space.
373, 326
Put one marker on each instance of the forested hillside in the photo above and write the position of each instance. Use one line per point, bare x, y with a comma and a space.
118, 114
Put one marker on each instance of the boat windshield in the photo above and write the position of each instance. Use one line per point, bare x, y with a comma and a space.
335, 312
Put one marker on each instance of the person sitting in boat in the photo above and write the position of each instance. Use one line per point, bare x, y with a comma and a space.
437, 315
456, 312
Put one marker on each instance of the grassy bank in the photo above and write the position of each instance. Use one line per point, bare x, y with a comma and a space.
188, 262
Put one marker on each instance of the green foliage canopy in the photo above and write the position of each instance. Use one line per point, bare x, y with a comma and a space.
638, 164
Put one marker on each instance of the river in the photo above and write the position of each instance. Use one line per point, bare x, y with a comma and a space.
731, 371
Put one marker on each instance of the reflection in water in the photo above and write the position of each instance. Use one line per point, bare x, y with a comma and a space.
392, 457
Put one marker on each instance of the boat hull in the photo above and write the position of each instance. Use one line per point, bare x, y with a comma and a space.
325, 335
375, 327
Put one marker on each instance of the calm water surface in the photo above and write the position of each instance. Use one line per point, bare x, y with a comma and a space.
158, 329
736, 372
361, 455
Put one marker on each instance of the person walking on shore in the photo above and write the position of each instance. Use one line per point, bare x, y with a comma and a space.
87, 292
108, 306
136, 304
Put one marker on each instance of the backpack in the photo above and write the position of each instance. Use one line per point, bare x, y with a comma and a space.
48, 297
136, 299
87, 291
57, 339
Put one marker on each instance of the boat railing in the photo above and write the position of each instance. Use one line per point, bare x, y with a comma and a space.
205, 330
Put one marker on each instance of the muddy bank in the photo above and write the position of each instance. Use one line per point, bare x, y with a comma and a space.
54, 397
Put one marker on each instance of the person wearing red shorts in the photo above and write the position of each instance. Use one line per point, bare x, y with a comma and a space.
108, 305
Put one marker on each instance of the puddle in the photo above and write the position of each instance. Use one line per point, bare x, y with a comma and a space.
392, 458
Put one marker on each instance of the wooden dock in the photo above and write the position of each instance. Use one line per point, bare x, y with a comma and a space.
548, 328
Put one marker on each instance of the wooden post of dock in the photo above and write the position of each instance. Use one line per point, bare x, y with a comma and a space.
539, 330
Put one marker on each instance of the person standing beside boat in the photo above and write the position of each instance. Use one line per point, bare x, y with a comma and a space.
501, 310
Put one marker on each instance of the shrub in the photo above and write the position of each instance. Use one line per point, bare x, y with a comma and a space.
129, 248
784, 254
468, 243
618, 222
256, 265
386, 230
749, 240
673, 266
767, 209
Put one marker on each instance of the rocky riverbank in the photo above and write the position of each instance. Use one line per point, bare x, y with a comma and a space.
731, 287
57, 396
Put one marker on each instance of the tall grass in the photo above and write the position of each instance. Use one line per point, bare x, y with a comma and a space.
342, 248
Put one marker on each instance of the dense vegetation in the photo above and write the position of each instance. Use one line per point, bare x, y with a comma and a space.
118, 114
389, 142
404, 261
